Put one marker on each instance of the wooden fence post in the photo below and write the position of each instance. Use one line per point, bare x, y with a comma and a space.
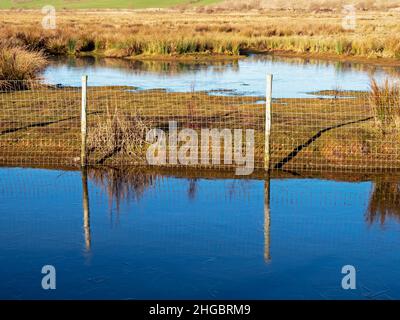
84, 121
267, 152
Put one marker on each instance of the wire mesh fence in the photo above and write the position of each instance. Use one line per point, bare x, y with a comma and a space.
40, 125
336, 132
184, 123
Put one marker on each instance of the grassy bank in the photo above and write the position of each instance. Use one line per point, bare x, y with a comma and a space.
174, 33
346, 131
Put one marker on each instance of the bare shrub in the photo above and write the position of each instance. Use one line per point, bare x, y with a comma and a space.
118, 133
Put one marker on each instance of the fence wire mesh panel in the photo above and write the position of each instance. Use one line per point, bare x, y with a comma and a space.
39, 124
195, 129
343, 131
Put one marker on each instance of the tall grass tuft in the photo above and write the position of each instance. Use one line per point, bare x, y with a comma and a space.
118, 134
17, 66
385, 102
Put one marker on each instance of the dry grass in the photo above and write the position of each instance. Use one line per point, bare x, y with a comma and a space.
385, 102
137, 34
18, 64
117, 133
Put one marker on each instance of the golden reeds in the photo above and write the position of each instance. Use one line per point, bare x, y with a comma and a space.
385, 102
17, 65
174, 33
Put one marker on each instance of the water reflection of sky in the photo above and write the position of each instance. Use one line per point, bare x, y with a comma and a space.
173, 242
293, 77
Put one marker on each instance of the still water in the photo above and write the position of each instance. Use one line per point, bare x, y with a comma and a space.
141, 236
152, 236
292, 77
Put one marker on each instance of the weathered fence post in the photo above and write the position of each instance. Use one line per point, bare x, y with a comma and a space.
267, 152
83, 121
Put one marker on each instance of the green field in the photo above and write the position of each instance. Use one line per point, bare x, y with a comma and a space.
99, 4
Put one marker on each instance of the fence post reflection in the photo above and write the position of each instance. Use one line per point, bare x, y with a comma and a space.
86, 211
267, 220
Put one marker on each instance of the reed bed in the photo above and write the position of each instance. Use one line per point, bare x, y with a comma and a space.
174, 33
